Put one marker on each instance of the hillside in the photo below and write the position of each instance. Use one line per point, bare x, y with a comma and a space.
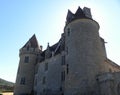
6, 85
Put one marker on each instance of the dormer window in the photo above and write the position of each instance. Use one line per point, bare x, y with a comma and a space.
46, 66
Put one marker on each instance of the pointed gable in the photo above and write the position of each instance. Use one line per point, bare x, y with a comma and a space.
32, 42
87, 12
70, 16
79, 13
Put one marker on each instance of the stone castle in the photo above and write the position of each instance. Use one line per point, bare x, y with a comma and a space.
76, 65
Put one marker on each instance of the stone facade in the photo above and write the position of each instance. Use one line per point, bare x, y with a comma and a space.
76, 65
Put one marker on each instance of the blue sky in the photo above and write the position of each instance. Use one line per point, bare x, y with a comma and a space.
20, 19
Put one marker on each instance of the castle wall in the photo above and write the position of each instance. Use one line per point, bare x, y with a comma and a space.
117, 82
49, 78
109, 83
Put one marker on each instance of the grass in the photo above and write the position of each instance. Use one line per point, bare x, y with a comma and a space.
6, 86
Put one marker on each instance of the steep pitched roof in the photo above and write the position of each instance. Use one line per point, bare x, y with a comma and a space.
69, 15
79, 13
33, 42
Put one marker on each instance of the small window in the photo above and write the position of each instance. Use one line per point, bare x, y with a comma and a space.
67, 69
118, 89
26, 60
22, 81
61, 88
44, 80
63, 60
110, 70
35, 82
68, 31
63, 76
46, 66
66, 50
44, 90
27, 48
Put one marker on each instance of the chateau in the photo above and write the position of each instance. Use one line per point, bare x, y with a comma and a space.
76, 65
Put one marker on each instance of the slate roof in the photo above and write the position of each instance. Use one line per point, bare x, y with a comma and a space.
79, 14
33, 42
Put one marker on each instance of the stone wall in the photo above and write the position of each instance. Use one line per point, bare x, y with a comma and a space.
25, 76
49, 76
111, 66
85, 57
109, 83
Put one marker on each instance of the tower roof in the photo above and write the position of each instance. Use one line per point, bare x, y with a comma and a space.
69, 14
79, 14
32, 42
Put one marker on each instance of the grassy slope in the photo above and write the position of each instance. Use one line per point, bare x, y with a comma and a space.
6, 85
4, 82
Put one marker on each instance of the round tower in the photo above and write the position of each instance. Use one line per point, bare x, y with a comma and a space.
26, 70
84, 53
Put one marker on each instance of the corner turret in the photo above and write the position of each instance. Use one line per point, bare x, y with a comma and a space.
26, 70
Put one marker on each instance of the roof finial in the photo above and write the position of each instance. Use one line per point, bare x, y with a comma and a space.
48, 44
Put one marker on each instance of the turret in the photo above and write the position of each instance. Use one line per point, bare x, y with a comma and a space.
48, 52
26, 70
84, 53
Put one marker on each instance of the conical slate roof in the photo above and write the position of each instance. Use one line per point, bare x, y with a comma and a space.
79, 14
32, 42
69, 14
